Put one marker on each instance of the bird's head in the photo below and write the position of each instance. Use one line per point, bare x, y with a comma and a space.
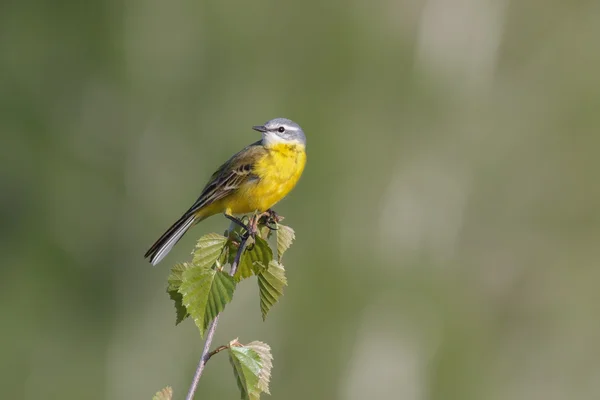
281, 130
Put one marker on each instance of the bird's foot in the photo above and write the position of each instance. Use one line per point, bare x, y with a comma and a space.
270, 219
273, 216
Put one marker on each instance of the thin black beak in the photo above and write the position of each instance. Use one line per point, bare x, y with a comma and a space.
259, 128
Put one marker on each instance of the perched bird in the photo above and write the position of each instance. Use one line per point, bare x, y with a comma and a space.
254, 179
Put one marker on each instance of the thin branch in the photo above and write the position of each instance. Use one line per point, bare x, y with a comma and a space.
206, 354
217, 350
204, 358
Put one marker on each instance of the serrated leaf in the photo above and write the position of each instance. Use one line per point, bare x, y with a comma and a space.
174, 279
174, 282
165, 394
285, 237
180, 310
256, 256
270, 284
208, 249
205, 293
252, 365
266, 359
244, 270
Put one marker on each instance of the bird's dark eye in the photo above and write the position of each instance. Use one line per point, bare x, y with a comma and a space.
281, 129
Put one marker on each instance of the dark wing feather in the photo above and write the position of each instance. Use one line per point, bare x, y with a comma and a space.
230, 176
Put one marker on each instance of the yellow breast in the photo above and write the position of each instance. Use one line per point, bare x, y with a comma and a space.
278, 172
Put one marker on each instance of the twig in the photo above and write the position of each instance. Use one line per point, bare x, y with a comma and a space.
206, 354
204, 358
217, 350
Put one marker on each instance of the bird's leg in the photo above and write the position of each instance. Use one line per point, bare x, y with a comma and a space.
254, 223
251, 230
238, 221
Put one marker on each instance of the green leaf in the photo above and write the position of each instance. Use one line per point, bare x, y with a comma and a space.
252, 365
174, 282
174, 279
205, 293
165, 394
285, 237
208, 249
266, 359
180, 310
244, 269
270, 284
256, 256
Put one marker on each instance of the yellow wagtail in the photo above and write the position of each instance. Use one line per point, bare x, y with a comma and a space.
252, 180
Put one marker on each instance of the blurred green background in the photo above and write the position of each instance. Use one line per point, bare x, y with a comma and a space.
448, 221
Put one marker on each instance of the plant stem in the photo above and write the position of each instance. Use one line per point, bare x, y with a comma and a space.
206, 354
203, 358
217, 350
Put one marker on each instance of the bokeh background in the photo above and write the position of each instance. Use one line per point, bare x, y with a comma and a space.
448, 221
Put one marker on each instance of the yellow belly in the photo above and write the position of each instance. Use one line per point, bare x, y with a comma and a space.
278, 172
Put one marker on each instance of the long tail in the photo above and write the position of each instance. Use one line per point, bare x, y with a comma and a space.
165, 243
